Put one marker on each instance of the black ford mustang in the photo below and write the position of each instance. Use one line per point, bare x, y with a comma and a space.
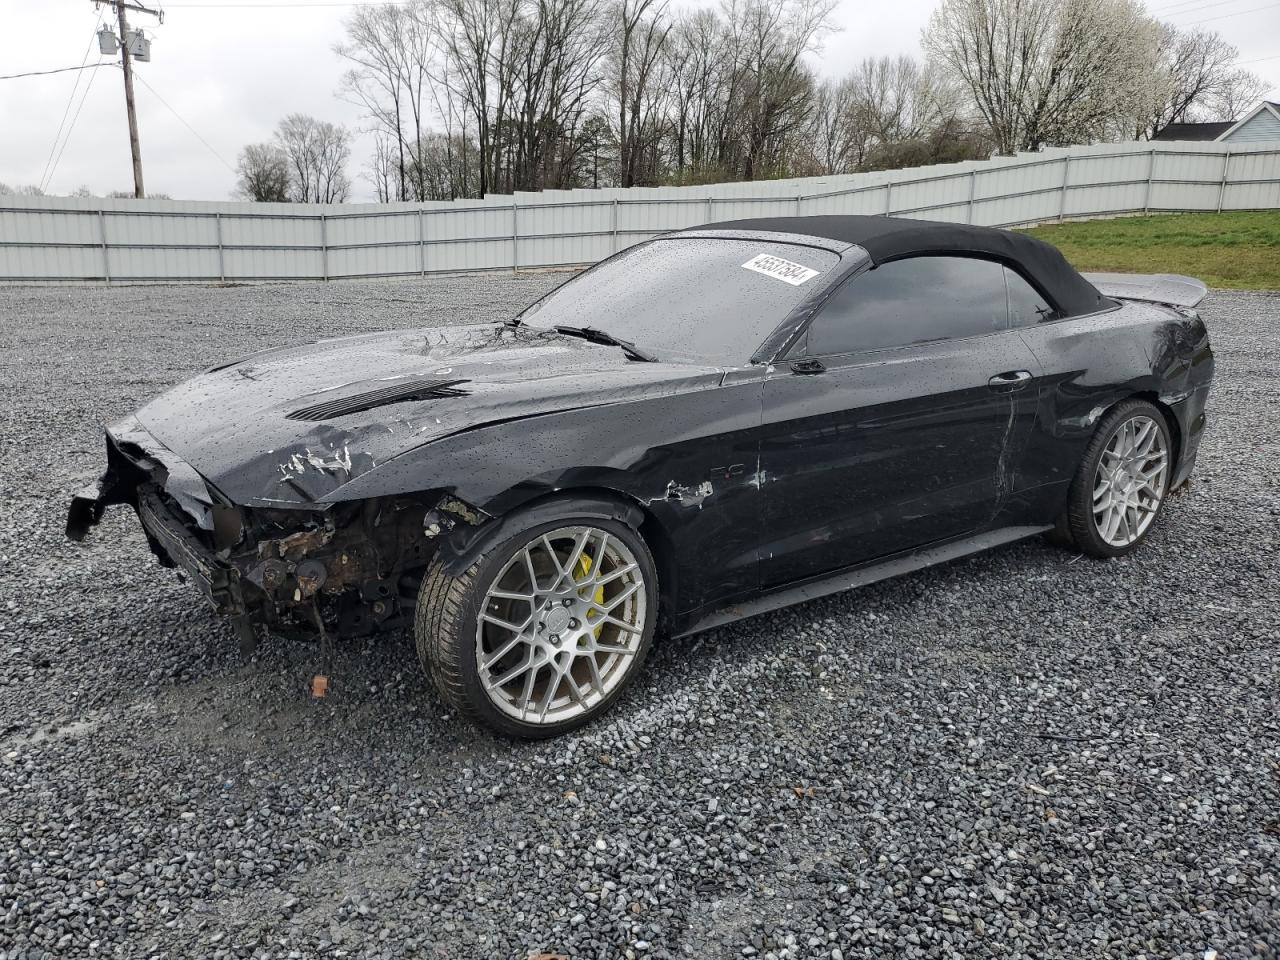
708, 425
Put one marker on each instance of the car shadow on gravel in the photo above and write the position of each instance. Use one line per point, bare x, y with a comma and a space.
216, 699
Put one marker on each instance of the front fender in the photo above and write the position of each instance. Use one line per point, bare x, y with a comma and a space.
690, 461
465, 544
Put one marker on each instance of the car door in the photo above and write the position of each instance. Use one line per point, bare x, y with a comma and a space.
896, 420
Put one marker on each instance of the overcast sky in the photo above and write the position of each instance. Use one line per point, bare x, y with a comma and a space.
231, 68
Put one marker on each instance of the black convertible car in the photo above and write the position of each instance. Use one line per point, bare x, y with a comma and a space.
711, 424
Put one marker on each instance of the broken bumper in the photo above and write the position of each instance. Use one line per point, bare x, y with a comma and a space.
170, 537
288, 567
135, 457
174, 505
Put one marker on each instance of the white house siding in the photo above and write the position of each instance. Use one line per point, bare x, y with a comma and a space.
1262, 126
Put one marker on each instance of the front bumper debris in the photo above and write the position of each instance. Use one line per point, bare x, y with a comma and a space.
135, 457
178, 513
87, 506
171, 539
338, 569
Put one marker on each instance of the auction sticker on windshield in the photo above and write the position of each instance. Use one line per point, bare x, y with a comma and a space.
780, 269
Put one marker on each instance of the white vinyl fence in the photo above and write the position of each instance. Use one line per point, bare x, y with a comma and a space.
48, 239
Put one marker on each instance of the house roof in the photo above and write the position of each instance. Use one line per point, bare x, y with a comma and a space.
1194, 131
893, 238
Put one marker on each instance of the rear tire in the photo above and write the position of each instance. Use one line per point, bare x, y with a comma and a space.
1122, 482
545, 629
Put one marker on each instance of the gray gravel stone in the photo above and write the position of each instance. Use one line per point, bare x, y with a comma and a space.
1023, 754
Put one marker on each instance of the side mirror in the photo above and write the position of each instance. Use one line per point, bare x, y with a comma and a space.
807, 366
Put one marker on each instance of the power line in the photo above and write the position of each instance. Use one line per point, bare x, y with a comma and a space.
74, 117
194, 133
1196, 7
1238, 13
45, 73
1187, 6
70, 100
1173, 9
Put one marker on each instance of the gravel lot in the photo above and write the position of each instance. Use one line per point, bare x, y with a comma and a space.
1025, 754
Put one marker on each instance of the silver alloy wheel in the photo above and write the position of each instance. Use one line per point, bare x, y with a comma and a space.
560, 625
1130, 481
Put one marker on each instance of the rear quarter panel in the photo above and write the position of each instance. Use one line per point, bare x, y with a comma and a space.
1091, 363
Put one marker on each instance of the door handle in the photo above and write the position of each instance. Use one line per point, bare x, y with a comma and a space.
807, 366
1010, 381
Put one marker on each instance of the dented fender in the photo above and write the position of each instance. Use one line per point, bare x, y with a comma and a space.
466, 542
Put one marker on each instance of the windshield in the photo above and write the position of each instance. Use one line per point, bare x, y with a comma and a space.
689, 298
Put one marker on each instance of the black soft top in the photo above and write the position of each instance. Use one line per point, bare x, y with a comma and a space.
892, 238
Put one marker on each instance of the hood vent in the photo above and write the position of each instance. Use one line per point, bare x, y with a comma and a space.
401, 392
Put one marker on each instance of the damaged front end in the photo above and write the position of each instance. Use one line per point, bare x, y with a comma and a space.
306, 569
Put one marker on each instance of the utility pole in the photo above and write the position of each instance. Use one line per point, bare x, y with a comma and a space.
126, 59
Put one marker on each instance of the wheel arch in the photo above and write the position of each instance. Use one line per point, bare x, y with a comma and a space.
464, 544
1170, 419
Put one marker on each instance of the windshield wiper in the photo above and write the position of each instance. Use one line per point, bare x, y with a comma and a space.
593, 335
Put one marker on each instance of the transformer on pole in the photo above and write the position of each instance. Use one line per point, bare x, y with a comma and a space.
108, 43
139, 46
135, 45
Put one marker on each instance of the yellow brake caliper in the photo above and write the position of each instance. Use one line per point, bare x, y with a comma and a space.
581, 575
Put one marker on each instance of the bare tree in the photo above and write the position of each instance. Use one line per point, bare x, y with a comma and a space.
264, 173
553, 84
1237, 98
1047, 71
843, 129
392, 48
640, 30
382, 170
525, 76
776, 88
902, 99
700, 69
536, 94
317, 152
1197, 80
440, 164
480, 39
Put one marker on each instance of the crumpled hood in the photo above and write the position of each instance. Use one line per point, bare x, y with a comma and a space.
231, 423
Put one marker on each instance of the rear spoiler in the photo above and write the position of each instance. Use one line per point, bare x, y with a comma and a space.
1150, 287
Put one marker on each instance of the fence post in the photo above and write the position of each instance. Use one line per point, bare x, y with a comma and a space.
515, 238
888, 198
798, 199
1062, 198
615, 223
222, 265
1226, 167
422, 241
1151, 172
973, 190
102, 235
324, 246
710, 200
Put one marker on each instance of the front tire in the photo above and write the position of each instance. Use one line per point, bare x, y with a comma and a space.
1123, 481
545, 629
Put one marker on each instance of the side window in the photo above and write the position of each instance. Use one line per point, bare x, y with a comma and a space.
1026, 307
911, 301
